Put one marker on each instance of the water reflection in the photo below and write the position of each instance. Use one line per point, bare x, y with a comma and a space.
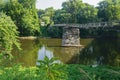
102, 51
52, 48
65, 54
68, 54
43, 52
28, 55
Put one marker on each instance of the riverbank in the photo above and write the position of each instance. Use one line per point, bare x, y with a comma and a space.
33, 37
28, 37
60, 72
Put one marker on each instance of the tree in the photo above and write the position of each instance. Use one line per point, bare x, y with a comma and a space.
46, 20
40, 12
61, 16
109, 10
28, 4
72, 7
2, 4
46, 16
8, 34
87, 13
80, 12
24, 14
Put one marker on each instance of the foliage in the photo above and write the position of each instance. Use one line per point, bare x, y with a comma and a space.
73, 11
46, 16
54, 32
80, 12
61, 16
30, 22
19, 73
53, 70
24, 14
70, 72
81, 72
47, 70
109, 10
72, 7
8, 34
2, 4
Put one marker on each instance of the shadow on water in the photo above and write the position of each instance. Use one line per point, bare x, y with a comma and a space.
104, 50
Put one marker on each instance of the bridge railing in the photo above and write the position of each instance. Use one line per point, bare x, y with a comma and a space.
91, 25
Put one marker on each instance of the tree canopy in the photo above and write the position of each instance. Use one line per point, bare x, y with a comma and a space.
109, 10
24, 14
8, 34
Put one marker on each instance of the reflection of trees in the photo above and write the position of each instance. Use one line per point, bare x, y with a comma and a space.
104, 50
28, 55
67, 54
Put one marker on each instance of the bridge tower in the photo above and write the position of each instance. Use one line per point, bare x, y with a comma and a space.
71, 36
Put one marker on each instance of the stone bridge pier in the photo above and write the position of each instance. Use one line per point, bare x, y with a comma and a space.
71, 36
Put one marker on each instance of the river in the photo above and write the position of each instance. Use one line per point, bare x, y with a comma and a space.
100, 51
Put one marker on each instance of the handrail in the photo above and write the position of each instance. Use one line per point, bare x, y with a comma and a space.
89, 25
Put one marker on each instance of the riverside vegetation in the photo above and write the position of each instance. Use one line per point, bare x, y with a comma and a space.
47, 70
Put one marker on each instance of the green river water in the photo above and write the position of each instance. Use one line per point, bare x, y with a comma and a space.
105, 51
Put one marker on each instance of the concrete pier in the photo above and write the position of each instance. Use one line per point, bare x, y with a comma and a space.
71, 36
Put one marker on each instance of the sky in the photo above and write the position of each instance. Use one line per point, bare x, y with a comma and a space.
42, 4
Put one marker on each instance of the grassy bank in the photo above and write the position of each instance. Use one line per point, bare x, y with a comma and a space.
60, 72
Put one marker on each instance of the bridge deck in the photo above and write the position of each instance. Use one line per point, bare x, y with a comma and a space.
89, 25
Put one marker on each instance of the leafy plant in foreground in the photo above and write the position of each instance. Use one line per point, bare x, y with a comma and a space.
51, 69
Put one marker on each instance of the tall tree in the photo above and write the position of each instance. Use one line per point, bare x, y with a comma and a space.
87, 13
24, 14
47, 16
80, 12
109, 10
72, 7
61, 16
8, 34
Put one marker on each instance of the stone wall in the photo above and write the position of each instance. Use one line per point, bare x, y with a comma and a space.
70, 36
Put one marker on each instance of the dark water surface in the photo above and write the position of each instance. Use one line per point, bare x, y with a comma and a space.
105, 51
